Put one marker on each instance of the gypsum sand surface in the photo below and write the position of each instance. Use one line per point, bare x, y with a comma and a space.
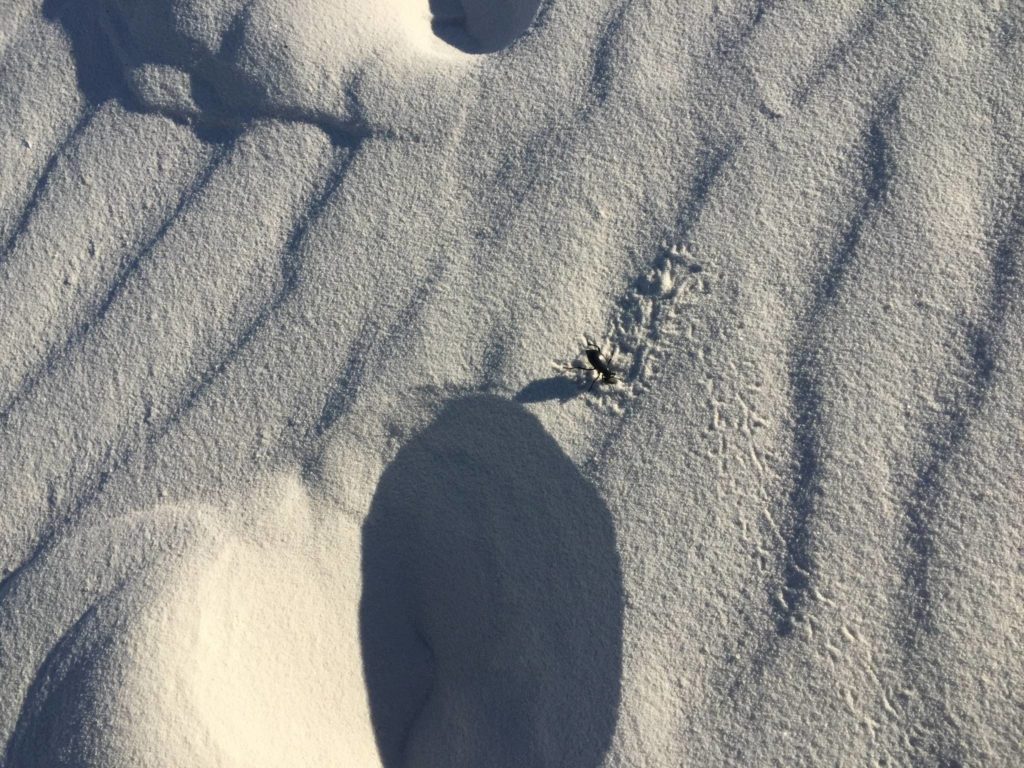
292, 474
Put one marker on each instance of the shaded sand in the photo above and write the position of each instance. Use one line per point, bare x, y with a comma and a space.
292, 472
492, 598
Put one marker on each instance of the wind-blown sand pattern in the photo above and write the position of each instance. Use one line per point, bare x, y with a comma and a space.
288, 475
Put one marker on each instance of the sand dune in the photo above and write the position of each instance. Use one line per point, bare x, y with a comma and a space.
293, 473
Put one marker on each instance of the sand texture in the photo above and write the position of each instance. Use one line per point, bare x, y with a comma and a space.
291, 469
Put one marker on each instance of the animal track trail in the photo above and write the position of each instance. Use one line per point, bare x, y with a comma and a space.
744, 462
649, 318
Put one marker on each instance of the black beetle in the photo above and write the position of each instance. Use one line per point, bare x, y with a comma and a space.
599, 364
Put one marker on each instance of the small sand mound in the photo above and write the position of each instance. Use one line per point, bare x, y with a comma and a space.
243, 652
312, 60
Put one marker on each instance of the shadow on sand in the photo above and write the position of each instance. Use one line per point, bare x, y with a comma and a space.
492, 605
557, 388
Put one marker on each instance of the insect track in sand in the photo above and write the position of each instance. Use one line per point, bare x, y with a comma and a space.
649, 318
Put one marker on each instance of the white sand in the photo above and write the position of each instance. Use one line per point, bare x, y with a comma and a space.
291, 473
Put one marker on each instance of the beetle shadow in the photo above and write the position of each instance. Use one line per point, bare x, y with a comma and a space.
492, 604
